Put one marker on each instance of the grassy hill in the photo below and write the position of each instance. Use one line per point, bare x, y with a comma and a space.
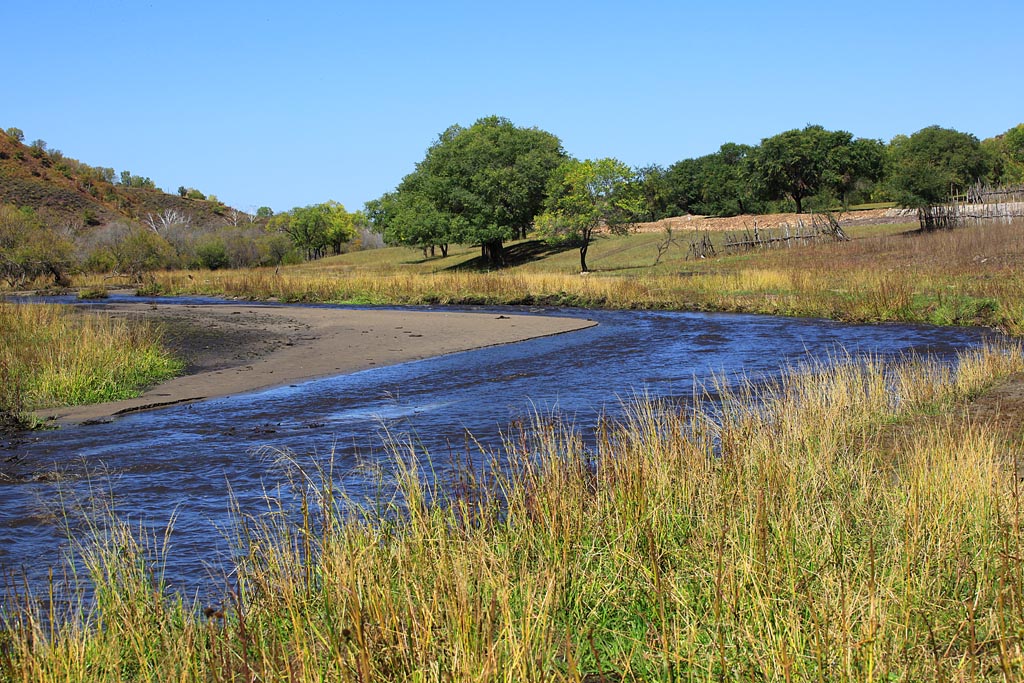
67, 192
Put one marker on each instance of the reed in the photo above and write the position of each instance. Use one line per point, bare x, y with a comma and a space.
52, 356
841, 523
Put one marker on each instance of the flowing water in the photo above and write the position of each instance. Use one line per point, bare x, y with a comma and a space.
191, 461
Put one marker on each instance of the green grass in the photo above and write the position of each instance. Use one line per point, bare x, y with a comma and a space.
791, 535
50, 356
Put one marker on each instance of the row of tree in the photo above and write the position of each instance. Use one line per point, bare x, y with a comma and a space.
821, 169
494, 181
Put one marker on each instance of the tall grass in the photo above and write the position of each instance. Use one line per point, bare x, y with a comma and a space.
839, 524
967, 276
51, 356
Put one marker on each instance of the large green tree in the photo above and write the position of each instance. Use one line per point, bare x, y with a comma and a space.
587, 196
409, 219
800, 163
926, 167
716, 184
1006, 156
478, 185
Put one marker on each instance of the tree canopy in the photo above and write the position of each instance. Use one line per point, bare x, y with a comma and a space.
478, 185
800, 163
316, 228
584, 196
29, 248
926, 167
716, 184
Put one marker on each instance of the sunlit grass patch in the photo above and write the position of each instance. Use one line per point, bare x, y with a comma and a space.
51, 356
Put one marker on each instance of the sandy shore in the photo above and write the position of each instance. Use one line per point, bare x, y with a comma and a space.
232, 349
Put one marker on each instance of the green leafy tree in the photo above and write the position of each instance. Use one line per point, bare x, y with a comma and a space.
800, 163
1015, 153
855, 169
926, 167
716, 184
128, 179
141, 251
212, 253
30, 249
409, 219
1005, 154
587, 196
484, 183
654, 189
316, 228
15, 134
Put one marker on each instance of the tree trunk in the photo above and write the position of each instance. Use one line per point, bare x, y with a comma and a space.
444, 250
583, 257
799, 203
493, 253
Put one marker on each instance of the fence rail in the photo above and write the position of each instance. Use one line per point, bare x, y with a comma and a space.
822, 228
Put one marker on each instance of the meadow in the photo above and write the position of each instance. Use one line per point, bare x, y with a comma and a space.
886, 273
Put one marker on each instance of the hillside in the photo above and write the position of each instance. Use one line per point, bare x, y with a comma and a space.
66, 192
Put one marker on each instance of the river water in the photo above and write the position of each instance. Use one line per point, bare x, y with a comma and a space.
190, 461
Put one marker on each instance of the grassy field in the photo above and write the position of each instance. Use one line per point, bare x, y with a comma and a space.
840, 525
50, 356
886, 273
847, 523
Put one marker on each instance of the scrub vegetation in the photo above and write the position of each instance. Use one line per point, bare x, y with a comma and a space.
51, 356
837, 524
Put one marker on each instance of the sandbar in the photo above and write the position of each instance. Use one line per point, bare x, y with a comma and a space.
240, 348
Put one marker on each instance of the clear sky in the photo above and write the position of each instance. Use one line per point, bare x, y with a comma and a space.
291, 103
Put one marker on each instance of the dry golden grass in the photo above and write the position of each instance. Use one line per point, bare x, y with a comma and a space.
967, 276
768, 535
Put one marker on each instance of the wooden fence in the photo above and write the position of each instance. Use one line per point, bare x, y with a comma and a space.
821, 228
979, 203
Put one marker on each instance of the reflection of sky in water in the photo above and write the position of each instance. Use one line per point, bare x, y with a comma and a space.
187, 458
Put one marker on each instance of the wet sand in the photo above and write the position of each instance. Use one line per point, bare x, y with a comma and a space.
232, 349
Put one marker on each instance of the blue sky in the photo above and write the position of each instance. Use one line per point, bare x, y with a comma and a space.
287, 104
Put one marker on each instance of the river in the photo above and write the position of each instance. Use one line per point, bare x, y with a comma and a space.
190, 461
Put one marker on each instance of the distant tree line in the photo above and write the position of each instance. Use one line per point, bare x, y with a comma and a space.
817, 169
493, 182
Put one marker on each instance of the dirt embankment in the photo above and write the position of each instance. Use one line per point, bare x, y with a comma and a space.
749, 221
